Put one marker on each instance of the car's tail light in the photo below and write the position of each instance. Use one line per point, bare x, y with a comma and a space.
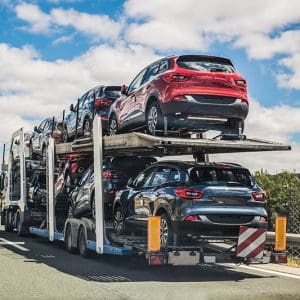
175, 77
241, 82
192, 218
112, 192
259, 196
263, 220
104, 118
102, 102
187, 193
111, 175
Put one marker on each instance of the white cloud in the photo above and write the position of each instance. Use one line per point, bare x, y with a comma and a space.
63, 39
95, 26
290, 79
38, 20
194, 25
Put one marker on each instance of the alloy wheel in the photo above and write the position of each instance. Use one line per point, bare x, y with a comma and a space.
152, 119
86, 128
113, 127
164, 232
118, 222
68, 184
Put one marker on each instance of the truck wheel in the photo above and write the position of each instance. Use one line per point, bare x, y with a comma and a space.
166, 231
68, 240
82, 243
8, 222
21, 229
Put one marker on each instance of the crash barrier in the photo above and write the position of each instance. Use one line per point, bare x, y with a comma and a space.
292, 243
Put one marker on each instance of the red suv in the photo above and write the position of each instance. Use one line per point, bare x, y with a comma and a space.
187, 93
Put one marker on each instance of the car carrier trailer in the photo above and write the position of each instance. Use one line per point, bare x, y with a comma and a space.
87, 234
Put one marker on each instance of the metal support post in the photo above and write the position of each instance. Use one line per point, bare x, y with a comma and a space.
51, 199
23, 199
98, 168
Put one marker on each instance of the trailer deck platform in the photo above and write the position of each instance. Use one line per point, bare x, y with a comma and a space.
140, 143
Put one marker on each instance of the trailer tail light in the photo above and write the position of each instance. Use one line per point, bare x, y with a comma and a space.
102, 102
187, 193
175, 77
259, 196
111, 175
192, 218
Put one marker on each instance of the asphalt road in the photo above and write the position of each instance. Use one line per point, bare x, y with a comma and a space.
32, 268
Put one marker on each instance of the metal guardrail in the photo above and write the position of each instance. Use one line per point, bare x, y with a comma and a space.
292, 239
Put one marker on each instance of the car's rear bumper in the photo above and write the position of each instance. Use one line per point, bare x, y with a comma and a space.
204, 227
210, 107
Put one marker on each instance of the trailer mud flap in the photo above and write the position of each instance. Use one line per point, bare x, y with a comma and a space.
251, 243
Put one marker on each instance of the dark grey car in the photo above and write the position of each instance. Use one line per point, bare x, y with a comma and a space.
192, 199
80, 119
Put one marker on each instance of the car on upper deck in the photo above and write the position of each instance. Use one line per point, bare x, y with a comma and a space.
185, 93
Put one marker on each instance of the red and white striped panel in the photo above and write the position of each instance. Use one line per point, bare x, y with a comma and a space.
251, 242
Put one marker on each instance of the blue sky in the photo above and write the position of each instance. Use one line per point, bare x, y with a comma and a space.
72, 37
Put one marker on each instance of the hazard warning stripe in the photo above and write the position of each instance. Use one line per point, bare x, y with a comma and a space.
251, 242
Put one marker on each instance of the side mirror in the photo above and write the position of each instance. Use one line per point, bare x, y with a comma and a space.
35, 128
71, 107
130, 182
124, 89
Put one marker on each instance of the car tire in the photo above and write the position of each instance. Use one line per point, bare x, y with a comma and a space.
44, 153
166, 231
8, 222
113, 126
82, 243
68, 184
236, 126
68, 240
119, 221
154, 119
87, 127
65, 137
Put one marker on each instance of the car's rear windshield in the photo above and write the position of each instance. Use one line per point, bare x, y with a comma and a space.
205, 64
112, 92
221, 176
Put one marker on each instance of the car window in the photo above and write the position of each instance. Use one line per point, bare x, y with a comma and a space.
144, 178
164, 175
164, 66
90, 97
48, 125
152, 71
85, 177
42, 125
99, 92
136, 83
221, 176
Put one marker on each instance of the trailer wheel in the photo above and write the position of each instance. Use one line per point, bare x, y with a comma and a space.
8, 222
68, 240
82, 243
21, 229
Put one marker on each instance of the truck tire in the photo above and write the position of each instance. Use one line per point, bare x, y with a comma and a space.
8, 226
82, 243
21, 228
68, 240
166, 231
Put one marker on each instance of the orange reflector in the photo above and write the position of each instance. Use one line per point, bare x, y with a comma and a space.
154, 234
280, 234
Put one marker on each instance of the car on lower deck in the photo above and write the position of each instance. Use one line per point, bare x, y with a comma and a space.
115, 175
193, 200
186, 93
78, 122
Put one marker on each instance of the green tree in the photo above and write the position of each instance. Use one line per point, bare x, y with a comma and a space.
283, 191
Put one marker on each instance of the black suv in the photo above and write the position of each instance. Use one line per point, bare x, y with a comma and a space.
80, 119
192, 199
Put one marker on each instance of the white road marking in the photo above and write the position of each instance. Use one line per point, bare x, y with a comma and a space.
271, 272
14, 245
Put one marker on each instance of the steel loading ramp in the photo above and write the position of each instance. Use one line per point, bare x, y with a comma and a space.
140, 143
